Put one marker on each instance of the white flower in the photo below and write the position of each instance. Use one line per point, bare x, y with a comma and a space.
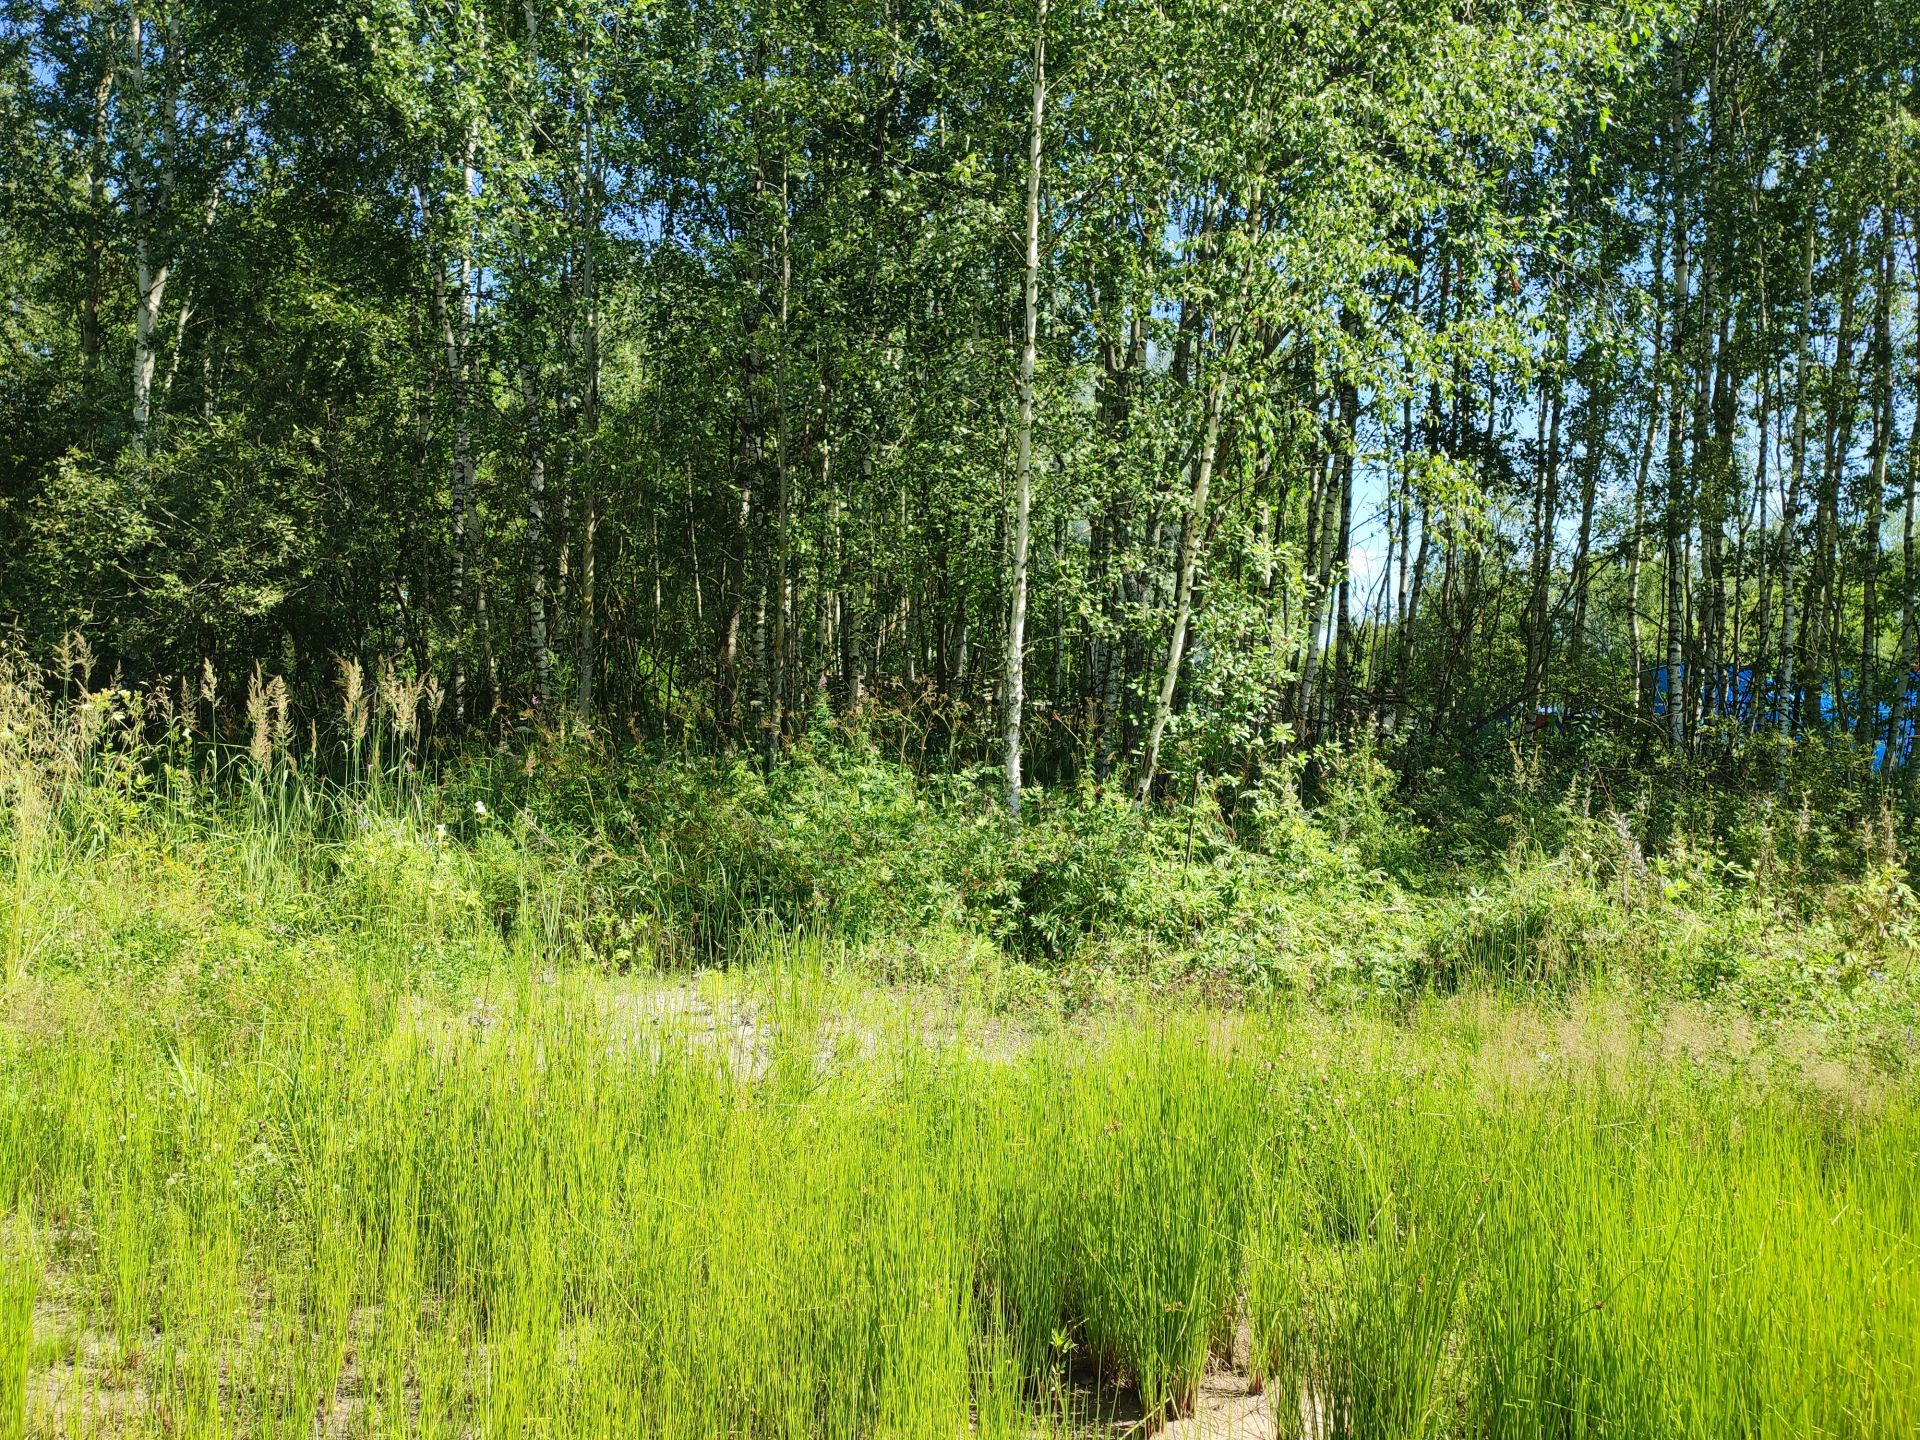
480, 808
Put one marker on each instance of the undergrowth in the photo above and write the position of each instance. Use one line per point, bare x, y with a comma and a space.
137, 829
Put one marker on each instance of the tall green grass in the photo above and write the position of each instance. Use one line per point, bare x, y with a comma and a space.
320, 1113
562, 1211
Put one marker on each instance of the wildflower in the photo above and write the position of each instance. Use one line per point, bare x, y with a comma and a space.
480, 809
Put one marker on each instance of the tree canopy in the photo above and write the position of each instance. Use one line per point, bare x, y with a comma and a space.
1247, 373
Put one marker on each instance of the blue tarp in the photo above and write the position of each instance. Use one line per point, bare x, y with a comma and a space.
1740, 691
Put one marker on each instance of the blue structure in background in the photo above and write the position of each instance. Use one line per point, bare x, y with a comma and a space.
1740, 691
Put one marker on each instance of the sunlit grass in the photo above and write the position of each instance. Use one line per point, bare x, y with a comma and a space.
316, 1118
552, 1212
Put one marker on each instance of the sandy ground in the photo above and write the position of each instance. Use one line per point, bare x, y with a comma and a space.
1226, 1410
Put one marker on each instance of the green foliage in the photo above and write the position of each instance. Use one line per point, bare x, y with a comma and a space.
595, 360
779, 1212
20, 1279
325, 1083
168, 849
1501, 1265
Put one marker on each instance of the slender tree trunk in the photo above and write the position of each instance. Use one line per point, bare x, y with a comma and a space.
1323, 518
1637, 541
1787, 701
862, 598
533, 403
1757, 671
1676, 507
1342, 560
1401, 543
1713, 443
1824, 593
1310, 565
1867, 721
451, 304
460, 490
1023, 439
777, 661
1548, 500
1191, 531
91, 336
537, 537
586, 635
151, 269
1599, 403
1636, 550
1409, 619
1909, 672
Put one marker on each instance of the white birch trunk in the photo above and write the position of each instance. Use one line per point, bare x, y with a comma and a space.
1023, 439
150, 271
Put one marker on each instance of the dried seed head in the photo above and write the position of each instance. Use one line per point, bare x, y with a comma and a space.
260, 718
280, 702
75, 658
401, 697
353, 698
